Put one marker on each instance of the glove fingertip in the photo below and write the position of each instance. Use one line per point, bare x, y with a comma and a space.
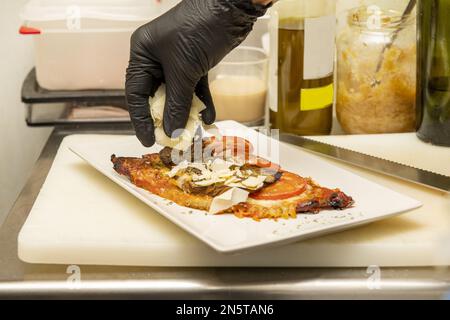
147, 141
203, 92
145, 133
209, 115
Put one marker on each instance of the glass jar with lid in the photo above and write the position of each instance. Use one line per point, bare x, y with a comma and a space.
376, 72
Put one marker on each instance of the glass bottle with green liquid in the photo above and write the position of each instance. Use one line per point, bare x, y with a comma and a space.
433, 94
302, 66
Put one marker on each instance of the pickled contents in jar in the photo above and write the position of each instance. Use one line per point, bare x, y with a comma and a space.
389, 106
290, 117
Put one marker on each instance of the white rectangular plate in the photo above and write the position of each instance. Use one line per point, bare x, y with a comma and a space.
229, 234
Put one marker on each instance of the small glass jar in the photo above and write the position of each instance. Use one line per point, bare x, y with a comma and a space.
376, 72
238, 85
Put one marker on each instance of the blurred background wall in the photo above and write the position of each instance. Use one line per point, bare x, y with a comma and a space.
19, 146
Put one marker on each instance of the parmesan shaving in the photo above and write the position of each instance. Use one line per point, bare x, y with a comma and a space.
228, 199
184, 141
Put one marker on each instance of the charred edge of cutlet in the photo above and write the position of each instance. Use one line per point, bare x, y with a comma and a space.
114, 161
337, 200
118, 165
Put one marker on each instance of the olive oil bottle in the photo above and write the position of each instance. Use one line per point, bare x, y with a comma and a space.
305, 65
433, 94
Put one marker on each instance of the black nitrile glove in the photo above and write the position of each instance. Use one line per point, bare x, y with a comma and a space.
178, 49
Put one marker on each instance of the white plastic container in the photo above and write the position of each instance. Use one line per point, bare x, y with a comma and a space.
84, 44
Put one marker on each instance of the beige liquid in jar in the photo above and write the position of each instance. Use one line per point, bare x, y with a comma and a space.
239, 98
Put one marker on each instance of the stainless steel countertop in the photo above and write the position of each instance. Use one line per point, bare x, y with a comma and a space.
21, 280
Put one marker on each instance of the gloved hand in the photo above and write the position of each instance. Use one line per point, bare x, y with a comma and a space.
178, 49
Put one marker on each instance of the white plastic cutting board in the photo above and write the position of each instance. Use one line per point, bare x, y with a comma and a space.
80, 217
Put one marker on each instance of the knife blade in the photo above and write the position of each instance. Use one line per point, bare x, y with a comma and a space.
419, 176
